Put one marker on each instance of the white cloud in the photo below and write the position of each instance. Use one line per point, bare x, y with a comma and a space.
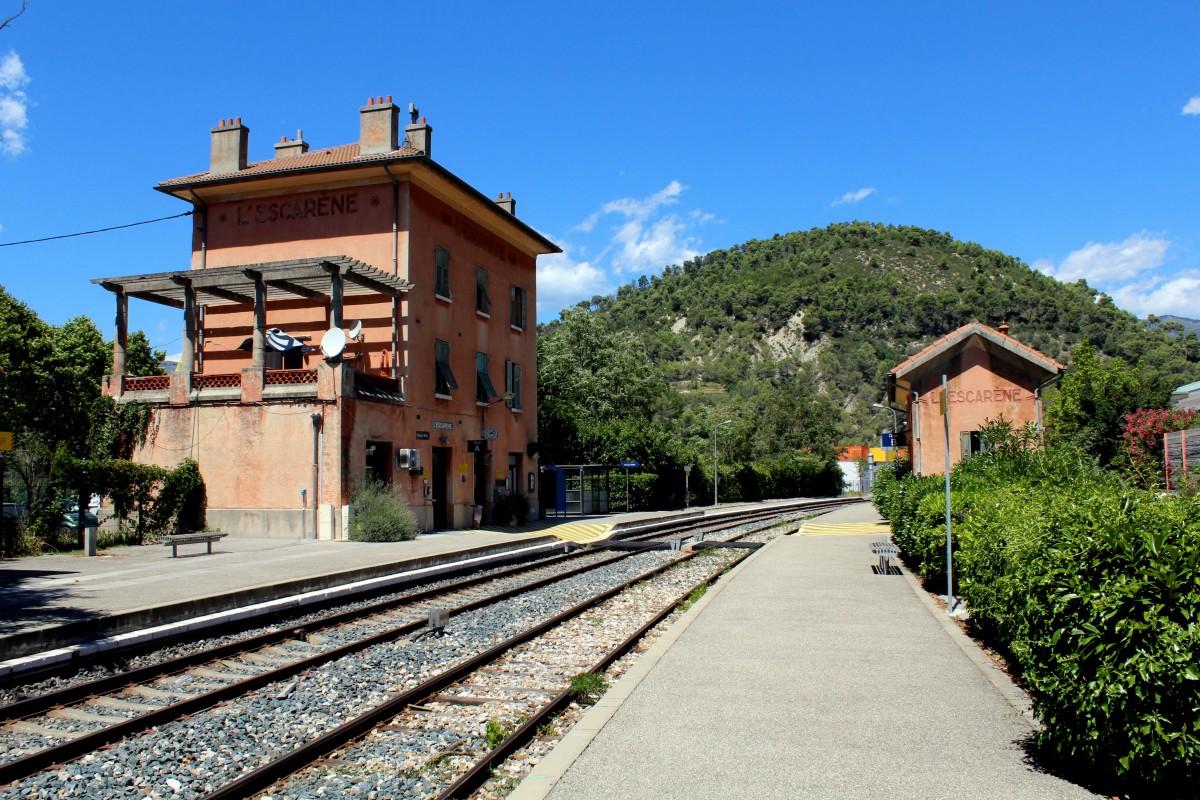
562, 282
1176, 295
855, 196
1103, 262
14, 105
1192, 107
645, 235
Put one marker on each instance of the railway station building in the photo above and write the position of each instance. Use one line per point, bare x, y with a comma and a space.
350, 313
988, 375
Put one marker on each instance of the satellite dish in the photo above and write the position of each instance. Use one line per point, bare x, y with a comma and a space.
333, 343
355, 330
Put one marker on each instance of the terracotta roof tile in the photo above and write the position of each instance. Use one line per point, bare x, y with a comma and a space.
346, 154
960, 334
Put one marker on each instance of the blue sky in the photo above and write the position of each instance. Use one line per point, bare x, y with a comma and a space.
636, 135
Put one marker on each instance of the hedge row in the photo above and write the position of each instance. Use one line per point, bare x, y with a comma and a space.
1091, 587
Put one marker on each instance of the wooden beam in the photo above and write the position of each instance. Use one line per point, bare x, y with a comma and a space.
225, 294
297, 289
372, 284
157, 298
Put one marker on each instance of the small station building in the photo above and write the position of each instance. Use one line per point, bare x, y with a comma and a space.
988, 374
350, 313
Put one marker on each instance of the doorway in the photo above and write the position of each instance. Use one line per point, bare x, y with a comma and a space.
441, 487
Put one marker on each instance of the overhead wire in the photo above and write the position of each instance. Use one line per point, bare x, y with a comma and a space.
98, 230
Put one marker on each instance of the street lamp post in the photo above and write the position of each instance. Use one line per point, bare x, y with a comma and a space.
715, 427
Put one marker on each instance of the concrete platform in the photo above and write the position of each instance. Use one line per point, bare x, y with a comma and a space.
804, 674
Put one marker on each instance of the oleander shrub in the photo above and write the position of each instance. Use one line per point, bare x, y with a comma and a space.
381, 515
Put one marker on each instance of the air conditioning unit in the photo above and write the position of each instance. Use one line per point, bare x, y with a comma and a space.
409, 460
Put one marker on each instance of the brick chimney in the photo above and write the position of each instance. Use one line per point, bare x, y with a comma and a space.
229, 141
419, 136
297, 146
506, 202
380, 126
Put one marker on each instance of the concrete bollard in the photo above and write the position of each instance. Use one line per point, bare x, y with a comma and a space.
89, 541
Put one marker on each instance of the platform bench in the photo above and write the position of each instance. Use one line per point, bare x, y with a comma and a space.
885, 551
191, 538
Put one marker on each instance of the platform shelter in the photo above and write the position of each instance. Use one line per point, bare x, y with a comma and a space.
988, 374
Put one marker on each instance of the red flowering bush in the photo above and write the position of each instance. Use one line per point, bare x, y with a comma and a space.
1143, 435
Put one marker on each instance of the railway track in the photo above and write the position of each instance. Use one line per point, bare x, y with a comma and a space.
46, 731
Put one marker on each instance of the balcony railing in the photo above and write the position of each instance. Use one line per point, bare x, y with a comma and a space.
201, 381
147, 383
283, 377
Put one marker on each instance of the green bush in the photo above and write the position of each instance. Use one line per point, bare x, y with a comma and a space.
512, 507
1089, 585
381, 515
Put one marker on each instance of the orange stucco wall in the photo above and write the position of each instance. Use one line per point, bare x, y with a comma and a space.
257, 456
980, 387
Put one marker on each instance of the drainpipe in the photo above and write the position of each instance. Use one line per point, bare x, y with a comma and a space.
395, 262
1037, 399
316, 468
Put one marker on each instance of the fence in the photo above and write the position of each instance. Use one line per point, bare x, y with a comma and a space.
1181, 453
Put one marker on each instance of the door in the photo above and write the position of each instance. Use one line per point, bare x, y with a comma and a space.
441, 488
379, 463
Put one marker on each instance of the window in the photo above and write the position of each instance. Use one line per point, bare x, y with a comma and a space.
517, 310
483, 303
970, 443
512, 384
443, 379
484, 390
441, 285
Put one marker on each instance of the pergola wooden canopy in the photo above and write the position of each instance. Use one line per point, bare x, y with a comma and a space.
326, 280
309, 278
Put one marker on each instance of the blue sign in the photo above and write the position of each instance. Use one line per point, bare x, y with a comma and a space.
630, 464
887, 441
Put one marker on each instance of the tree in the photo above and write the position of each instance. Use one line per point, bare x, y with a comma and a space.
1089, 407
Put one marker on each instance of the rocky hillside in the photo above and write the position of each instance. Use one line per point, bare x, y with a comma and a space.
852, 300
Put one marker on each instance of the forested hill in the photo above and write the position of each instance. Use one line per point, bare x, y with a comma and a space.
845, 303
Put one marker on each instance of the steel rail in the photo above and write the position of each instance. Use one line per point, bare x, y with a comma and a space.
81, 745
289, 763
481, 771
74, 748
24, 708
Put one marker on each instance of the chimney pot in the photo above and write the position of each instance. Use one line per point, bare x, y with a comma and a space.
506, 202
379, 127
230, 141
389, 98
419, 136
1004, 328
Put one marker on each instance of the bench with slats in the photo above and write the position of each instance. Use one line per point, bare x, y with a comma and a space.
885, 551
191, 538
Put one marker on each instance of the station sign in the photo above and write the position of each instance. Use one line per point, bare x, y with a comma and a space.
441, 425
630, 464
886, 440
422, 435
476, 445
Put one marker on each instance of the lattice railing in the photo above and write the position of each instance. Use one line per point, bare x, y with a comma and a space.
216, 381
147, 383
277, 377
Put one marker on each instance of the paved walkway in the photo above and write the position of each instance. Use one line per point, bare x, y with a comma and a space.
805, 675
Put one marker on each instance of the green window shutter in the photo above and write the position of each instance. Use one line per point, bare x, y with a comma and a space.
513, 384
482, 301
517, 308
484, 389
441, 284
443, 376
